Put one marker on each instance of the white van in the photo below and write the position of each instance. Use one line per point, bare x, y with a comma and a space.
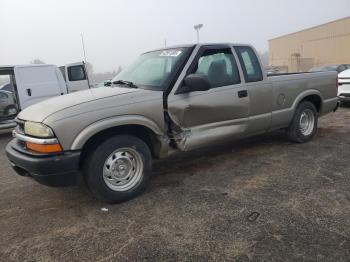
34, 83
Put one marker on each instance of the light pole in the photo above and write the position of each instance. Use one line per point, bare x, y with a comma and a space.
197, 28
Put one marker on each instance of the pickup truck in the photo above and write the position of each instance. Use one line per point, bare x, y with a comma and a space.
33, 83
169, 101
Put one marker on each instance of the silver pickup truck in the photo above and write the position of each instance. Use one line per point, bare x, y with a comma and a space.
170, 100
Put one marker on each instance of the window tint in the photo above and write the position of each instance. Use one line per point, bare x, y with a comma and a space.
219, 66
76, 73
250, 64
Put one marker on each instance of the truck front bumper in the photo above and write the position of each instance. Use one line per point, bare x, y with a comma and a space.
51, 170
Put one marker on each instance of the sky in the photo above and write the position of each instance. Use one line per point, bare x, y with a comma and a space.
117, 31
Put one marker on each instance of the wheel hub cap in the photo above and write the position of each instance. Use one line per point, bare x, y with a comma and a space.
307, 122
123, 169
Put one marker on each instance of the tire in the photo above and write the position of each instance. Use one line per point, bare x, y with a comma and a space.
304, 123
118, 169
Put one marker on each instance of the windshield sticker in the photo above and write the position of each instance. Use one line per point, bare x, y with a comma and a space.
170, 53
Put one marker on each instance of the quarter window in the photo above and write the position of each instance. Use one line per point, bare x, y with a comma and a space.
250, 64
219, 66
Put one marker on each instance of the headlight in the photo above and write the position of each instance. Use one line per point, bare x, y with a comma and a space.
37, 129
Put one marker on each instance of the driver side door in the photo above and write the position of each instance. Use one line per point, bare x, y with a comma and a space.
216, 115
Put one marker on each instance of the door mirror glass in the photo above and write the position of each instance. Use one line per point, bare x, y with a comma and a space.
196, 82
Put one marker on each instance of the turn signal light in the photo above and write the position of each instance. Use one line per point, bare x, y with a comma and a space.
53, 148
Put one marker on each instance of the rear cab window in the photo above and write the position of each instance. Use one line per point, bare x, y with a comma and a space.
250, 64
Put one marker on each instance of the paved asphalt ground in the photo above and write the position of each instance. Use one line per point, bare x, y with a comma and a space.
263, 199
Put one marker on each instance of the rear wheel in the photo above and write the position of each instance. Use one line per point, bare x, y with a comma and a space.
304, 124
118, 169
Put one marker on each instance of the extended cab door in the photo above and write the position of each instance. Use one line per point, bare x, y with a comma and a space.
259, 90
76, 77
219, 114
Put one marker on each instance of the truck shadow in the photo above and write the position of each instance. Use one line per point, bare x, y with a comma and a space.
173, 170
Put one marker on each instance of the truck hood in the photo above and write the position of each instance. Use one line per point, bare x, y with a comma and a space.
40, 111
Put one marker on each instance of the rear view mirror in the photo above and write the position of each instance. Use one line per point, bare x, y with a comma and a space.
196, 82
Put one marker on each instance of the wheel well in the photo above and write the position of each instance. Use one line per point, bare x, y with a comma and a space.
315, 99
142, 132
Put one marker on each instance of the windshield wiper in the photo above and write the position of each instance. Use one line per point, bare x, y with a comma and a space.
125, 83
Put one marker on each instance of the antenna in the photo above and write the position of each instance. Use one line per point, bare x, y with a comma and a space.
82, 42
85, 62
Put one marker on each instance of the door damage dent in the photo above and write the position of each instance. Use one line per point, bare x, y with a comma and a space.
187, 140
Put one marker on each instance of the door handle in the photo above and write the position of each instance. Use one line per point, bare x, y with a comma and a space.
29, 92
242, 93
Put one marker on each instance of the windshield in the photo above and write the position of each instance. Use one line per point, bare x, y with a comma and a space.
153, 70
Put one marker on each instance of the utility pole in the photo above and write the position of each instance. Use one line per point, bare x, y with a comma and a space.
197, 28
165, 43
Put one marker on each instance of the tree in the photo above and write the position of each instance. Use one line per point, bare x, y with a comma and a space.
37, 61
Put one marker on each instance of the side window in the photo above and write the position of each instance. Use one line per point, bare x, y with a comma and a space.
250, 64
219, 66
76, 73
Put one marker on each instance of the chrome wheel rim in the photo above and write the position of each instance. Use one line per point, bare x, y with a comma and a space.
123, 169
307, 122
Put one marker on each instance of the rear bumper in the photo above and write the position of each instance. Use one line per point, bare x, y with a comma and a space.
50, 170
330, 105
344, 98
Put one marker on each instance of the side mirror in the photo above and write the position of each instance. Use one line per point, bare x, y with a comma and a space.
109, 83
196, 82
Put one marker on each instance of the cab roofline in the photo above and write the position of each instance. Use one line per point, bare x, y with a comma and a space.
194, 45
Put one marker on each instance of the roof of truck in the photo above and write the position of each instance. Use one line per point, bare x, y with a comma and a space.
200, 44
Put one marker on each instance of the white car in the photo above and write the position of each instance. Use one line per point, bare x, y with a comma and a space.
344, 85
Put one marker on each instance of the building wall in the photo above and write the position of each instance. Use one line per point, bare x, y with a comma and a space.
322, 45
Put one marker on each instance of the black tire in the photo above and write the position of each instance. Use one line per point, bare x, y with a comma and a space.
294, 130
94, 165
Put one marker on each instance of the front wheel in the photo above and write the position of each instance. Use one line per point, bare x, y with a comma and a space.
304, 123
118, 169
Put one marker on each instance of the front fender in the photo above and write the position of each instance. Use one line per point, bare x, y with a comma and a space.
107, 123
